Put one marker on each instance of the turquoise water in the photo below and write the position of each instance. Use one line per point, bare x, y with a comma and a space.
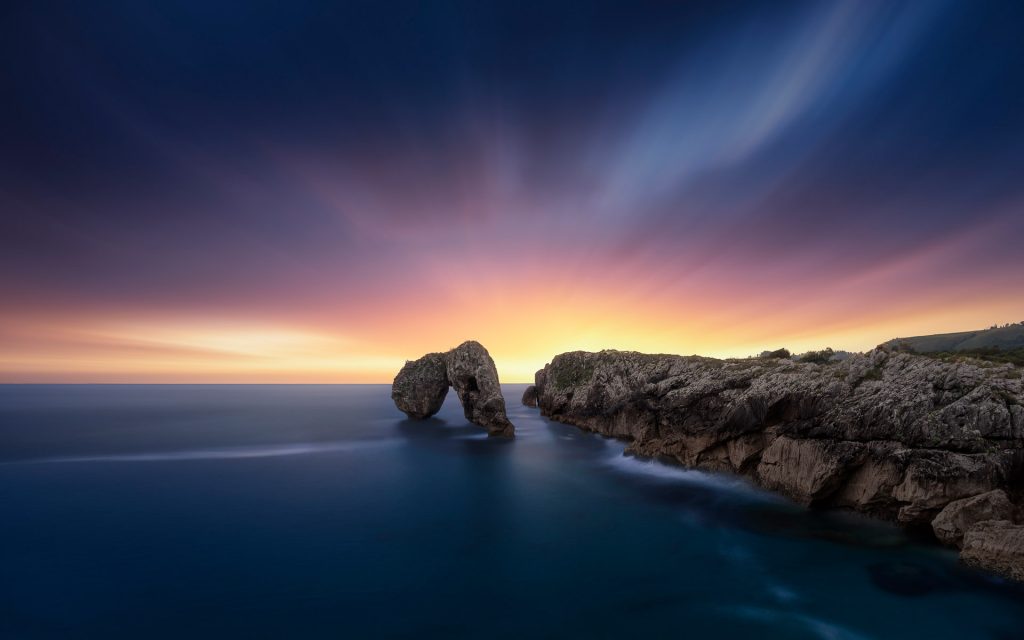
319, 512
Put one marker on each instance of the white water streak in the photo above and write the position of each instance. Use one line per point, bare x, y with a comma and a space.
227, 453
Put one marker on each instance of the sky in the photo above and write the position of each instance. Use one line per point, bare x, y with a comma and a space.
302, 191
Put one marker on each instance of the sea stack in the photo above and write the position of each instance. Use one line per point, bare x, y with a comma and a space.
420, 387
530, 396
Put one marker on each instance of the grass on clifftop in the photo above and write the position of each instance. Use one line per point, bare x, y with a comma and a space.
1008, 337
573, 375
990, 354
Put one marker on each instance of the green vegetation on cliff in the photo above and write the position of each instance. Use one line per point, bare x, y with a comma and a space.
996, 344
1008, 337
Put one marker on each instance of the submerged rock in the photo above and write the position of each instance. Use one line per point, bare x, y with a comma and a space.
894, 435
907, 579
420, 387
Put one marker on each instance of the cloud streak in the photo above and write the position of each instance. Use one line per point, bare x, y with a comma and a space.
319, 192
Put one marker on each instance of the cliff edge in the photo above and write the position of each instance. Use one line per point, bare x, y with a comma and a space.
918, 441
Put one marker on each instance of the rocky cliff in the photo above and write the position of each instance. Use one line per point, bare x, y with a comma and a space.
420, 387
898, 436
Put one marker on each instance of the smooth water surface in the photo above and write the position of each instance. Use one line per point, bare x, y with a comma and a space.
319, 512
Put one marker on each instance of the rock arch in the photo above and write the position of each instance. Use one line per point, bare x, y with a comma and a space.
421, 386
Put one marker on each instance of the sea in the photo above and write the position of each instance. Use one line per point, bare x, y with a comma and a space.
306, 511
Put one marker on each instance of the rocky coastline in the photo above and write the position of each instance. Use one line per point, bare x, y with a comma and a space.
932, 445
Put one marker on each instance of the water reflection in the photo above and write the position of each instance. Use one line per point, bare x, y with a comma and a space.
438, 435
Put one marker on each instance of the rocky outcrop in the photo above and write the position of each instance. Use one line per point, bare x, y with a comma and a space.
894, 435
807, 470
997, 545
530, 396
472, 373
420, 387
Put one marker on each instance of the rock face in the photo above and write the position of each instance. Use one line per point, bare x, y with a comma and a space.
997, 545
960, 515
894, 435
420, 387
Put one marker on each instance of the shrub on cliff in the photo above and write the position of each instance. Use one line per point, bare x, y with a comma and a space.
990, 354
819, 357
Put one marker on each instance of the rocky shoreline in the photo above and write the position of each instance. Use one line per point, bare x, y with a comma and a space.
928, 444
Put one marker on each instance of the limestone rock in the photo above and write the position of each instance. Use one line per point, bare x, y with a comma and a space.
997, 545
472, 373
870, 487
420, 387
530, 396
933, 479
895, 435
960, 515
807, 470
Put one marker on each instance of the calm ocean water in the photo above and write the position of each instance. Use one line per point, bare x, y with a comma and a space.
319, 512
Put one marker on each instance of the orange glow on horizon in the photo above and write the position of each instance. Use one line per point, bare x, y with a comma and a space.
524, 307
522, 335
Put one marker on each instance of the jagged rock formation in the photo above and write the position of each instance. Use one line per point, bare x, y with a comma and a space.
420, 387
894, 435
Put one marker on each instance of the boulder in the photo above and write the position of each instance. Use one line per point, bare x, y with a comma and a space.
420, 387
935, 478
960, 515
996, 545
530, 396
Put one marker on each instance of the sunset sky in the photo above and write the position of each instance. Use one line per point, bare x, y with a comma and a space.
297, 191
